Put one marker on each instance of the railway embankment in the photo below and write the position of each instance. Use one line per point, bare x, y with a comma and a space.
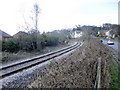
79, 70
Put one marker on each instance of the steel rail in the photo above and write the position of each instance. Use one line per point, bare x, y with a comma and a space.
14, 68
41, 56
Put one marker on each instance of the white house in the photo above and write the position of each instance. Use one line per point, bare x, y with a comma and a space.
109, 33
76, 34
98, 32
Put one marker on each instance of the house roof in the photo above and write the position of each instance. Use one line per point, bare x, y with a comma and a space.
21, 32
4, 34
78, 31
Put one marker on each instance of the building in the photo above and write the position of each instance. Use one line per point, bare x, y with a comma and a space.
107, 26
110, 34
76, 34
106, 33
20, 34
4, 35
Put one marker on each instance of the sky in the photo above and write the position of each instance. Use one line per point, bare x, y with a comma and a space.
57, 14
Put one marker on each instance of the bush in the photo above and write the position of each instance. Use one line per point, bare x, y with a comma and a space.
51, 40
34, 41
29, 43
48, 40
10, 45
116, 35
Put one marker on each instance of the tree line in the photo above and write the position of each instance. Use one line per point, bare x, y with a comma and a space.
34, 41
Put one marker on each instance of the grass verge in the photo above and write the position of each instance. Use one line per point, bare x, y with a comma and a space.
114, 70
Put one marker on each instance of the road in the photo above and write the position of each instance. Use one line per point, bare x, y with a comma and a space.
115, 46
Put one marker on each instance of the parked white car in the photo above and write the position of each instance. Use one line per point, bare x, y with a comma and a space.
110, 42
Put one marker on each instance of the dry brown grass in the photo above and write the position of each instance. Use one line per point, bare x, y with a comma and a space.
78, 70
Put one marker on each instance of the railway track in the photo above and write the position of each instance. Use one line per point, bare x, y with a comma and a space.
19, 66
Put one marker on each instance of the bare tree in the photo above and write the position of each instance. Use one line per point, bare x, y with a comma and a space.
36, 12
35, 31
31, 25
35, 18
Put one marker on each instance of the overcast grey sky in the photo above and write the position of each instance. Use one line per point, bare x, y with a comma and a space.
57, 14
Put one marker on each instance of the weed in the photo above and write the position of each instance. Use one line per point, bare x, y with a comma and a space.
114, 70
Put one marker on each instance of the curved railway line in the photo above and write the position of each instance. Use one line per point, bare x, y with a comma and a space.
19, 66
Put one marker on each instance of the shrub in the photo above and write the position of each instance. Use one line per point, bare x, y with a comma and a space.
49, 40
32, 42
10, 45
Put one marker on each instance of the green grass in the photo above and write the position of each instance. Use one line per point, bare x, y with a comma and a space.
114, 70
